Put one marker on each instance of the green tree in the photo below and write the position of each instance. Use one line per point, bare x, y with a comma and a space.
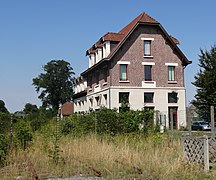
56, 84
2, 107
205, 81
30, 108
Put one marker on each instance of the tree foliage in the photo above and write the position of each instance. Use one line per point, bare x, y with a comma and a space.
30, 109
205, 81
3, 148
56, 84
4, 122
2, 107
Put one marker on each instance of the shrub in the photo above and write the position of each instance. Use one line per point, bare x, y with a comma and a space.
23, 133
4, 122
109, 121
4, 143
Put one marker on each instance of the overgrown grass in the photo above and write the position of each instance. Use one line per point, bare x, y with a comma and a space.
131, 156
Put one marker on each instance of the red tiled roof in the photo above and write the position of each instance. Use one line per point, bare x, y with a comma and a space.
176, 41
110, 36
122, 35
142, 18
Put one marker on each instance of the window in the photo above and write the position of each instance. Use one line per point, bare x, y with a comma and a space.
148, 74
123, 72
123, 97
105, 99
91, 102
172, 97
98, 100
147, 48
148, 97
150, 108
171, 73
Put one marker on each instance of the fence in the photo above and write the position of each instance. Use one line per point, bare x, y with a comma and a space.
200, 150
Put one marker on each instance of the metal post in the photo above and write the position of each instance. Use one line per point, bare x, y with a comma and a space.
212, 121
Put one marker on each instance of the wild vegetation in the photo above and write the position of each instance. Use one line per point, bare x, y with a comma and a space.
105, 143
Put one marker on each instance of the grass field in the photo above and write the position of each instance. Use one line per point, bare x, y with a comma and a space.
112, 157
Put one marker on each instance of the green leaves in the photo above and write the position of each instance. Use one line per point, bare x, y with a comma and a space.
2, 107
4, 142
23, 133
109, 121
205, 81
56, 84
4, 122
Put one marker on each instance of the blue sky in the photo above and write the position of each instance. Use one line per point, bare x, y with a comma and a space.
33, 32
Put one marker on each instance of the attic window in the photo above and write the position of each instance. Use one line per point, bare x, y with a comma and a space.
147, 48
147, 43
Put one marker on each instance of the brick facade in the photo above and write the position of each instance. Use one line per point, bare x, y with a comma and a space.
103, 77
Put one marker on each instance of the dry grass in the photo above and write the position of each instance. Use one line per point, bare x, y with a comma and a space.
120, 157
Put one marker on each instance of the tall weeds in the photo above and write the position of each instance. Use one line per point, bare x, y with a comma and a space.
112, 157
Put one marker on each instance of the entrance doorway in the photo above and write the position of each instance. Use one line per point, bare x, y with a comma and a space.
175, 117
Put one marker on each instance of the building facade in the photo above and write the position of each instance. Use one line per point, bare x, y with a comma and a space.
141, 65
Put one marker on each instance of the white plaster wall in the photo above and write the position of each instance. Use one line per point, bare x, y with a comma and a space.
90, 62
136, 100
107, 50
99, 55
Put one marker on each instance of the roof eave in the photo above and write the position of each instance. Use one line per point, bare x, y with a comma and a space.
186, 61
94, 66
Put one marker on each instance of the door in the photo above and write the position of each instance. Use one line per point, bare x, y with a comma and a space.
174, 111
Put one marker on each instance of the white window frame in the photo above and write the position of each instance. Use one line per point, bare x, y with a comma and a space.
147, 39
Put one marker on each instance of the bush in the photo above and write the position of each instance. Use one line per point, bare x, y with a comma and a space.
39, 118
23, 133
4, 143
109, 121
4, 122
